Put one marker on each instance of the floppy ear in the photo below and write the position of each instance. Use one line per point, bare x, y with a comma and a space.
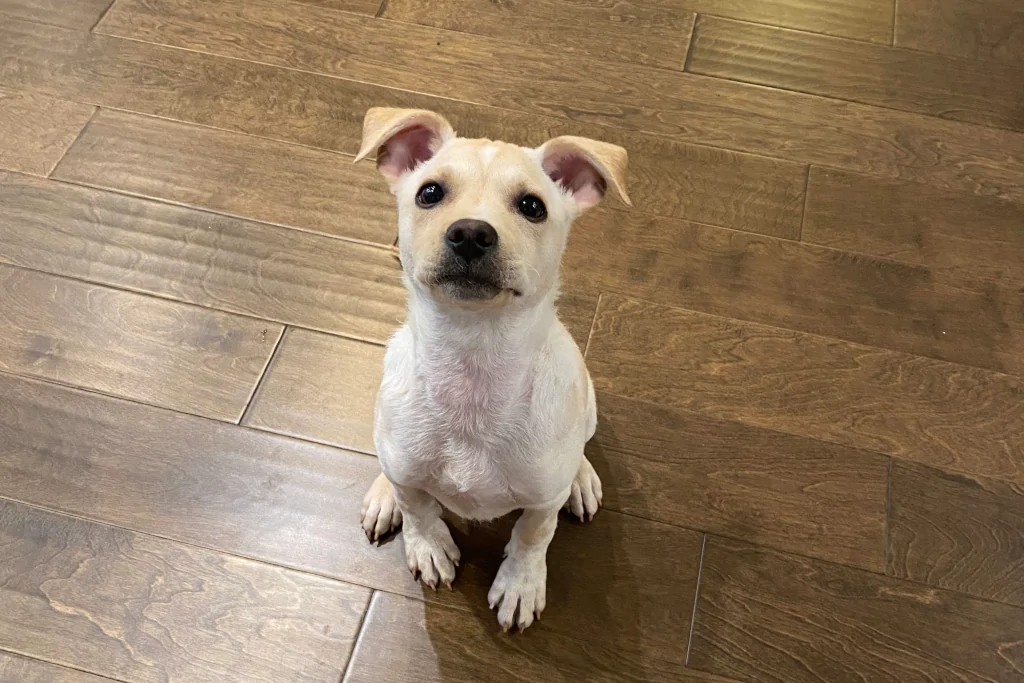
402, 138
586, 168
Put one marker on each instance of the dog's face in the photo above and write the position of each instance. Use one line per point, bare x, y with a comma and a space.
482, 222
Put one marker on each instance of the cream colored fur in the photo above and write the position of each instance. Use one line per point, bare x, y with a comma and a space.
485, 404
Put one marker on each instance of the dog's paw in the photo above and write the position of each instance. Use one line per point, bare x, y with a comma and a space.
586, 494
432, 555
519, 590
380, 515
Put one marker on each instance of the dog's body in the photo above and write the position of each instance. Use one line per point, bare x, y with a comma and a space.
485, 404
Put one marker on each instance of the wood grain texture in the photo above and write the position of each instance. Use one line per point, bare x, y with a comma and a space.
652, 33
910, 80
800, 286
619, 599
861, 19
791, 493
202, 258
124, 344
296, 503
442, 645
235, 174
686, 107
321, 388
17, 669
973, 237
199, 481
76, 14
951, 416
309, 109
666, 177
977, 29
35, 130
140, 608
958, 533
766, 616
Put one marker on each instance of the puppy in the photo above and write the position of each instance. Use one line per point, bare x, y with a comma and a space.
485, 403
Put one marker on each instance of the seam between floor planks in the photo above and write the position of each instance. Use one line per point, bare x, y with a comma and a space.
37, 658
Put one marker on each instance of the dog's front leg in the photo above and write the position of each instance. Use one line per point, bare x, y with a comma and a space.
521, 583
430, 551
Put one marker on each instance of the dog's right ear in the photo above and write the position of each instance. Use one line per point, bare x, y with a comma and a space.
402, 138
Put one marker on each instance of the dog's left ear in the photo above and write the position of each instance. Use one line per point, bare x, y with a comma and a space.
402, 138
586, 168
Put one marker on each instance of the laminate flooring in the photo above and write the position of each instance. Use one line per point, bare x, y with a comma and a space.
806, 337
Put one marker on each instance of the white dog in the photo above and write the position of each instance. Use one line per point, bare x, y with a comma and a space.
485, 404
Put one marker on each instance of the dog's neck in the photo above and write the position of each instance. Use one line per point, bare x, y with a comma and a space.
496, 347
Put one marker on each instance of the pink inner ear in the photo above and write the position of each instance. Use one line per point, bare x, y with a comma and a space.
405, 150
579, 176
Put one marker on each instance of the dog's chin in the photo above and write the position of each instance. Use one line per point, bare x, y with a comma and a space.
467, 290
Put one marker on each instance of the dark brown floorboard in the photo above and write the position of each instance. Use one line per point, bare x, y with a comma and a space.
36, 130
975, 237
711, 185
17, 669
139, 608
321, 388
124, 344
236, 174
767, 617
957, 532
687, 107
978, 29
910, 80
78, 14
442, 645
937, 413
800, 286
787, 492
202, 258
653, 33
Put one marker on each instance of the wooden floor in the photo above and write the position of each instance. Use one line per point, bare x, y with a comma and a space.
807, 339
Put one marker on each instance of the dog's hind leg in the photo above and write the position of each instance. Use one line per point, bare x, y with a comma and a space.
380, 515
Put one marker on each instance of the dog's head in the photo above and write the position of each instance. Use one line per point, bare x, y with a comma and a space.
482, 222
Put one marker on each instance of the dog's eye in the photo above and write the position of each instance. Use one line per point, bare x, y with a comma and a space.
429, 194
532, 208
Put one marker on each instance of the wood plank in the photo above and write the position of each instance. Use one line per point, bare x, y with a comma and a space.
76, 14
644, 32
17, 669
766, 616
979, 29
800, 286
36, 131
957, 532
908, 80
198, 481
951, 416
124, 344
296, 504
321, 388
654, 33
666, 177
233, 173
790, 493
966, 235
686, 107
861, 19
139, 608
202, 258
442, 645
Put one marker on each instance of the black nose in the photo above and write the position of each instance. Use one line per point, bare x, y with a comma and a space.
470, 239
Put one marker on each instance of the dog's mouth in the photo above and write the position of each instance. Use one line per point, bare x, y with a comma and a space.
462, 282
